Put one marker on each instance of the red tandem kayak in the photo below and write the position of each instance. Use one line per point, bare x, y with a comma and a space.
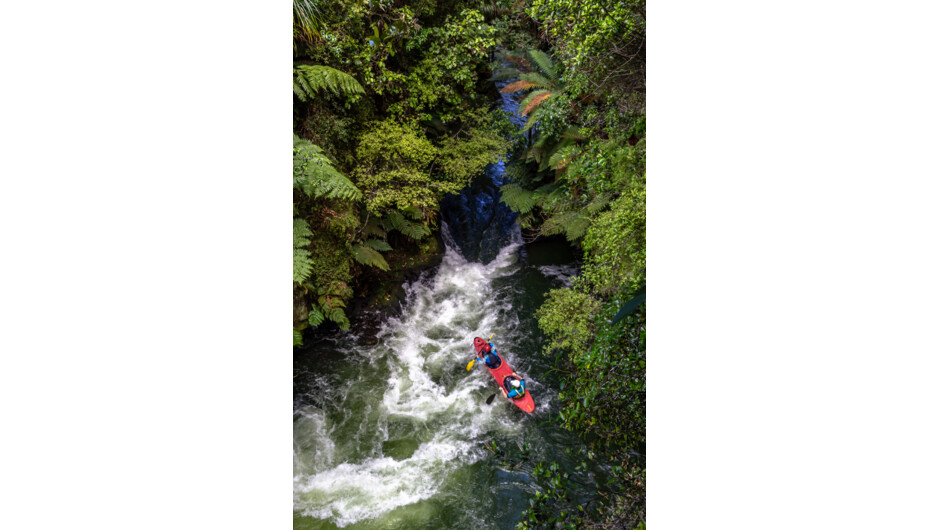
500, 372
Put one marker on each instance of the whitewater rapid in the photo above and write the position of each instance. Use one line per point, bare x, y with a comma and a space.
407, 414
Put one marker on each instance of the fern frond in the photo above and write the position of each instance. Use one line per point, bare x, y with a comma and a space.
414, 213
518, 171
577, 227
396, 221
377, 244
316, 317
535, 99
298, 338
538, 80
516, 198
339, 316
373, 228
533, 119
560, 159
315, 175
414, 230
303, 265
315, 78
393, 220
544, 63
370, 257
598, 203
516, 86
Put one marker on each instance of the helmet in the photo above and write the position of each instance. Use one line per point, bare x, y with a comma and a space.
515, 383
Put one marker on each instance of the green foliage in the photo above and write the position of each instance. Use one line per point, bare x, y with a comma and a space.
396, 221
302, 264
567, 318
443, 81
394, 167
400, 168
308, 20
615, 246
316, 176
316, 317
601, 41
369, 256
311, 79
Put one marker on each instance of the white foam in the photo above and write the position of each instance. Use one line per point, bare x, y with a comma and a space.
421, 356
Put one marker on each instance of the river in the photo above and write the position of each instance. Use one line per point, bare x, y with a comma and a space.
392, 431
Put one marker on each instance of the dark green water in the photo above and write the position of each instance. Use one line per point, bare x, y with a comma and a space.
389, 431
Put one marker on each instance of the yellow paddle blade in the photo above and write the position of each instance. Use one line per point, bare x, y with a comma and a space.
470, 365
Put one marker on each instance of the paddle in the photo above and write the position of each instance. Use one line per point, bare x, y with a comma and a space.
470, 364
490, 399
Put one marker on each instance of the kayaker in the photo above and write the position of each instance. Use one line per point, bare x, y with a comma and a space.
490, 356
515, 385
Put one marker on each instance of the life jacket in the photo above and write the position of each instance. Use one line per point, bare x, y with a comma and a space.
492, 360
507, 382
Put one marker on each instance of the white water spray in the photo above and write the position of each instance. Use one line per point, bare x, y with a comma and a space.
409, 414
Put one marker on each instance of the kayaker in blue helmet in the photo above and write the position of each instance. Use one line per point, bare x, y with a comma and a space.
515, 385
490, 356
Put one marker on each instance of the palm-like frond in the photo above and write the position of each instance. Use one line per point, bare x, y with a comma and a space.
377, 244
303, 265
396, 221
538, 80
572, 223
535, 99
316, 317
517, 198
370, 257
315, 175
544, 63
373, 227
311, 79
517, 86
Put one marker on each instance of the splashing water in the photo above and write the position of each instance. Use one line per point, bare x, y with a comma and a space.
406, 414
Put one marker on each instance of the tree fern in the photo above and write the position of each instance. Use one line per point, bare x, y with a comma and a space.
315, 175
303, 265
309, 80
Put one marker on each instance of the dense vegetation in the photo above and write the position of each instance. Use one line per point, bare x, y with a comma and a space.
391, 113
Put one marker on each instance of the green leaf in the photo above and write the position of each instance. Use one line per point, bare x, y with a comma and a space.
316, 317
368, 256
377, 244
